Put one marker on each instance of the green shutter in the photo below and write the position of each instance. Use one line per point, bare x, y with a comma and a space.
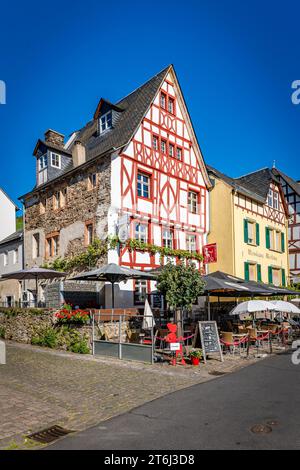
247, 276
283, 276
258, 273
246, 231
257, 235
270, 275
268, 237
282, 242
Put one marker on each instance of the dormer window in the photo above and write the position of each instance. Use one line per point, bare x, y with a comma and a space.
55, 160
105, 122
43, 162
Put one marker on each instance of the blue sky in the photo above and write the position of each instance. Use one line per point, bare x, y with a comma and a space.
235, 62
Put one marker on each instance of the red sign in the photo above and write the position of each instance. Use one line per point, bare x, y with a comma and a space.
210, 253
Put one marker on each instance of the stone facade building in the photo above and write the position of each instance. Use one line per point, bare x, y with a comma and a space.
135, 172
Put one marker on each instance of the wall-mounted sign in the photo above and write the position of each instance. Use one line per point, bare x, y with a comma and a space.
209, 253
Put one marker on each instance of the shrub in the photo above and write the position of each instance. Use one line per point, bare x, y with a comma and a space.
14, 311
2, 332
72, 339
67, 315
47, 337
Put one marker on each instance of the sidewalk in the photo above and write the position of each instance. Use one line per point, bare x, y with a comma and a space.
41, 387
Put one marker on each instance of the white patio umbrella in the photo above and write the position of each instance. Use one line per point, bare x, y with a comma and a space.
251, 306
148, 320
285, 307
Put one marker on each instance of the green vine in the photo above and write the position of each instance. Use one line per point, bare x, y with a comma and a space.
99, 248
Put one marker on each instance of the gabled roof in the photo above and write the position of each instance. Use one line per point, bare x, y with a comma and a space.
132, 109
236, 185
258, 181
290, 181
18, 235
9, 198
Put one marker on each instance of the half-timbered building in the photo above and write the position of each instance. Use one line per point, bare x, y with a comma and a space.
249, 222
135, 171
291, 190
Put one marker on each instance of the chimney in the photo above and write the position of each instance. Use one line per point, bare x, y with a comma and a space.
54, 137
78, 153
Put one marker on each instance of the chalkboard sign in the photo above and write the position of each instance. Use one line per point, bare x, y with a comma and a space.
210, 341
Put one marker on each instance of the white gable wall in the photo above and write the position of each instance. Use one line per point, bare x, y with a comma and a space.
7, 216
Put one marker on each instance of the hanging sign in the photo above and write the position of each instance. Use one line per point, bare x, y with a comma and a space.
209, 253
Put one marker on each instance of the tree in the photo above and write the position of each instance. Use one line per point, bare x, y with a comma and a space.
181, 285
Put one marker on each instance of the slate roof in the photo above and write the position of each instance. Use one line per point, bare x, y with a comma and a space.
258, 182
18, 235
134, 106
290, 181
242, 187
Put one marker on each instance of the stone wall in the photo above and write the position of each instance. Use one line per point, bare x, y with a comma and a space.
82, 205
23, 326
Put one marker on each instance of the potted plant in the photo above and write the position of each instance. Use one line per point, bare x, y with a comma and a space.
195, 355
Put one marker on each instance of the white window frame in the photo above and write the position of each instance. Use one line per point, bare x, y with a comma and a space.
35, 245
140, 292
179, 153
193, 202
43, 162
143, 185
5, 258
275, 200
141, 232
105, 122
55, 160
171, 153
168, 238
270, 197
163, 143
191, 246
15, 256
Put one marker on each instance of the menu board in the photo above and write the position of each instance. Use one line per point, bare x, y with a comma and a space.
209, 336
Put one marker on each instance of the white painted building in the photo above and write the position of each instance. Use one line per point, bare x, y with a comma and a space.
7, 215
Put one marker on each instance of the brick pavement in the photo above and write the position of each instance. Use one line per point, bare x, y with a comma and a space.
40, 387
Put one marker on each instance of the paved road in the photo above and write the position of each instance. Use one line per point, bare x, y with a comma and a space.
214, 415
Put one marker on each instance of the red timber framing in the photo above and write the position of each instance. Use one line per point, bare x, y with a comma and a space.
293, 202
173, 170
256, 208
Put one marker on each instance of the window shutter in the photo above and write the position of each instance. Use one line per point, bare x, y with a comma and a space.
270, 275
268, 237
257, 235
258, 273
282, 242
283, 276
247, 271
245, 230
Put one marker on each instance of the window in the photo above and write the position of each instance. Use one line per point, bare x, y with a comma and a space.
163, 100
43, 206
15, 256
56, 200
143, 185
43, 162
155, 142
63, 197
191, 245
167, 238
171, 150
5, 258
106, 122
275, 240
192, 201
52, 242
89, 233
178, 153
35, 245
252, 272
251, 232
141, 232
55, 160
163, 146
275, 200
276, 277
140, 292
92, 181
171, 103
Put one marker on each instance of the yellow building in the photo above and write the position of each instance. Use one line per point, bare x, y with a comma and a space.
249, 223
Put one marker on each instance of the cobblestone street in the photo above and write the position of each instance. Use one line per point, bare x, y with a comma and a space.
40, 388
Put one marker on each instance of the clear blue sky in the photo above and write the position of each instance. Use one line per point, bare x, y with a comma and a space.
235, 62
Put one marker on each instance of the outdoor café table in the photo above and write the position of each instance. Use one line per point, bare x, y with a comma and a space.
238, 337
